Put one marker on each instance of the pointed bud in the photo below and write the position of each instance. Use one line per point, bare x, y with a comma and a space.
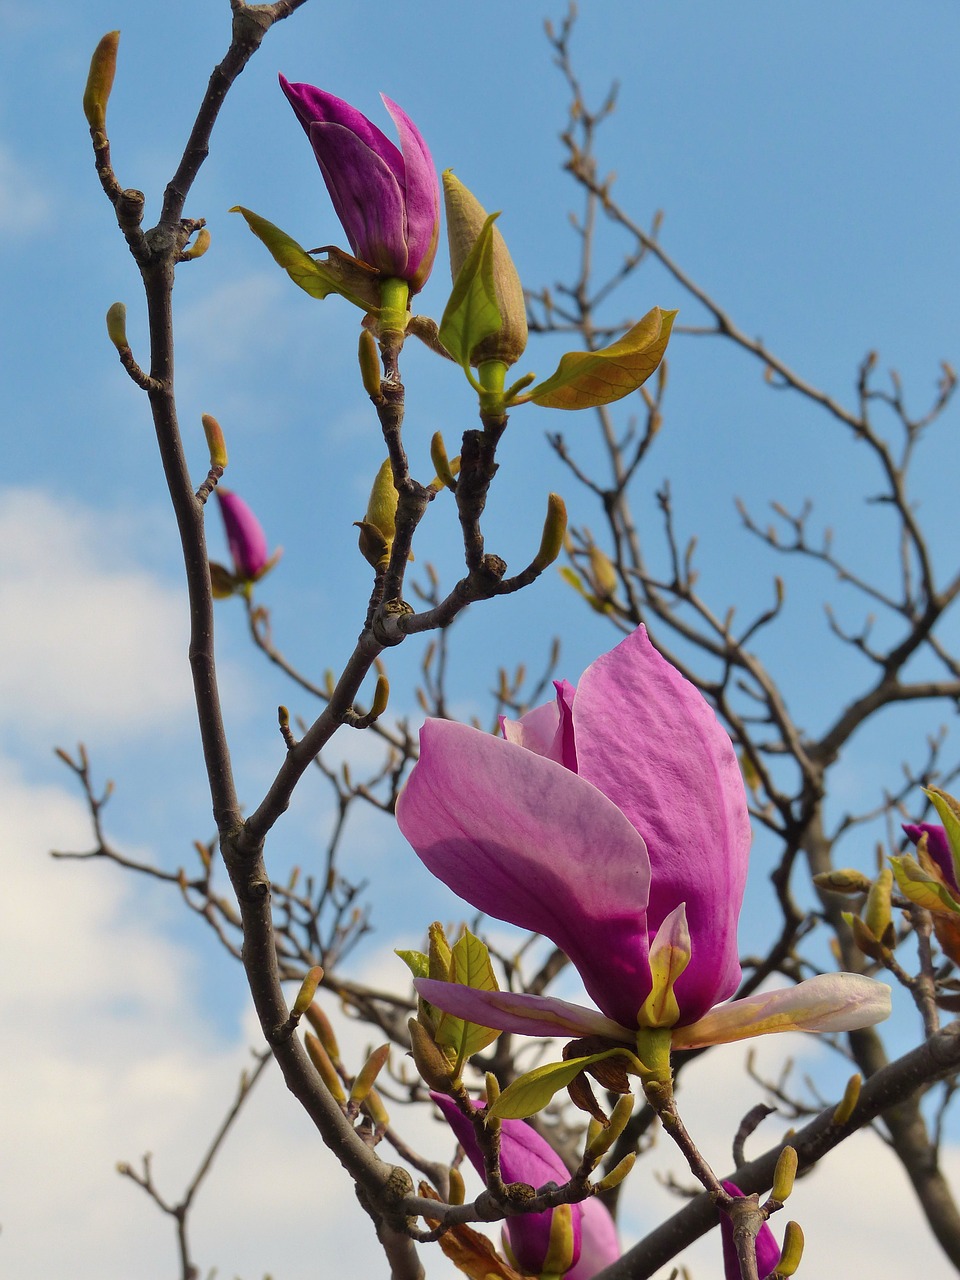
222, 582
441, 463
844, 880
198, 248
603, 573
216, 444
554, 531
877, 915
618, 1172
868, 944
103, 66
373, 545
369, 358
492, 1087
792, 1250
367, 1075
465, 219
381, 696
377, 1112
441, 957
784, 1175
325, 1068
325, 1033
458, 1191
382, 506
117, 326
562, 1246
308, 989
600, 1143
430, 1061
851, 1096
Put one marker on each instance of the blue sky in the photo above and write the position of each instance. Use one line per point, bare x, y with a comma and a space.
804, 159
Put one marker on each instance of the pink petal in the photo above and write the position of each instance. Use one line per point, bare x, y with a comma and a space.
648, 739
526, 841
828, 1002
421, 194
525, 1015
599, 1244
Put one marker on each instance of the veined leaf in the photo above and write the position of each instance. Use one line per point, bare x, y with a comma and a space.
586, 379
416, 962
470, 967
949, 812
531, 1092
337, 273
472, 314
922, 889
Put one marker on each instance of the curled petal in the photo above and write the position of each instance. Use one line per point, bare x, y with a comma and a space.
647, 738
547, 730
829, 1002
526, 841
525, 1015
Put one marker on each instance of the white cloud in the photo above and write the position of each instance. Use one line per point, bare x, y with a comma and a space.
87, 639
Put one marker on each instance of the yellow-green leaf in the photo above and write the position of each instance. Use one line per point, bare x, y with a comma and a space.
472, 314
949, 810
415, 961
337, 273
471, 967
586, 379
922, 889
531, 1092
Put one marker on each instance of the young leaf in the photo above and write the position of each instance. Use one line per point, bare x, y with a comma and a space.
531, 1092
470, 967
472, 314
586, 379
922, 889
415, 961
337, 273
949, 812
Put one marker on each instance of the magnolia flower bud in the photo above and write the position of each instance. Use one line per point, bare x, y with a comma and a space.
465, 219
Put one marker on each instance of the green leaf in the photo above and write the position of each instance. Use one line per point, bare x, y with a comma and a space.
586, 379
472, 314
949, 811
471, 967
530, 1093
337, 273
922, 889
416, 962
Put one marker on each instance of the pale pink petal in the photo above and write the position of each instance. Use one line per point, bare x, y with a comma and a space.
599, 1244
525, 1015
525, 840
829, 1002
648, 740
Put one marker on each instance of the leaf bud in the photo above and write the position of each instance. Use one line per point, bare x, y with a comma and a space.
308, 989
554, 531
117, 326
369, 358
603, 573
785, 1174
382, 506
868, 944
851, 1096
465, 220
215, 441
492, 1088
377, 1112
325, 1033
458, 1191
600, 1143
618, 1172
430, 1062
381, 696
103, 66
844, 880
441, 463
199, 247
877, 915
792, 1250
367, 1075
325, 1068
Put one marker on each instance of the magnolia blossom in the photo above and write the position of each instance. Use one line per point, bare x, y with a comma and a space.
768, 1251
527, 1157
932, 882
613, 821
387, 199
245, 538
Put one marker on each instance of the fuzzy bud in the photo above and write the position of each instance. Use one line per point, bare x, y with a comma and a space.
785, 1174
103, 66
554, 531
117, 326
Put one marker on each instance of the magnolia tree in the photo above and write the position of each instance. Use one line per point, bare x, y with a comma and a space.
613, 819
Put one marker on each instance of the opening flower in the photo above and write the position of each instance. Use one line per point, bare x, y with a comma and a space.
387, 198
932, 879
615, 823
527, 1157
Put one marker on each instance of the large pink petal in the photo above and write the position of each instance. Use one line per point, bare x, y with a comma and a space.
648, 740
522, 1014
315, 106
421, 194
527, 841
599, 1245
828, 1002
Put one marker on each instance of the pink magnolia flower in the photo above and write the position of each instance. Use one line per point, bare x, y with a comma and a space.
615, 823
768, 1251
527, 1157
387, 199
245, 538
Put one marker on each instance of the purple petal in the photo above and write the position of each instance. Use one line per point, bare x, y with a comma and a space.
649, 741
421, 195
599, 1244
525, 1015
768, 1251
938, 846
366, 195
245, 536
315, 106
525, 840
524, 1157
